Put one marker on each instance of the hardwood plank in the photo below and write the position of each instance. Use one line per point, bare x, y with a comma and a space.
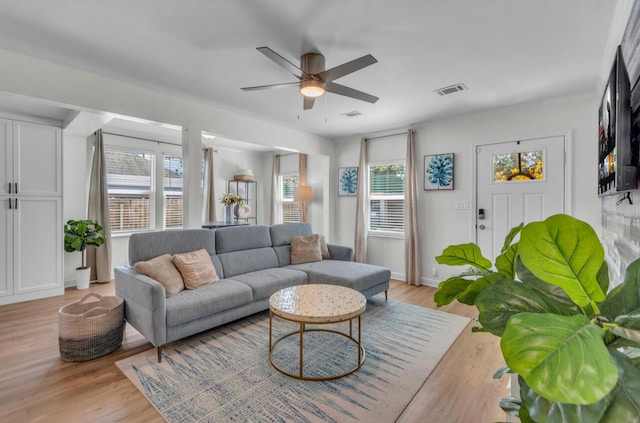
36, 386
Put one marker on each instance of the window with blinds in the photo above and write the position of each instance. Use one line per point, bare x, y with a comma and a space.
172, 190
290, 208
133, 179
129, 182
386, 197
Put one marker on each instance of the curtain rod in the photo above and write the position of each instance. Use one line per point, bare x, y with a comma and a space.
140, 138
285, 155
385, 136
147, 139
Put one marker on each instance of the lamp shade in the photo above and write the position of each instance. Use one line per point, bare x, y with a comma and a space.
303, 194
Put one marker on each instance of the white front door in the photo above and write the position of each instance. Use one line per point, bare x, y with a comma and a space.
518, 181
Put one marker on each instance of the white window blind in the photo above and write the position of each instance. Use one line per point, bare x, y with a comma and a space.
386, 196
144, 183
172, 182
129, 181
290, 209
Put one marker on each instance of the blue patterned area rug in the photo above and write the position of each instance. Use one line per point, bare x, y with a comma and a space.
224, 375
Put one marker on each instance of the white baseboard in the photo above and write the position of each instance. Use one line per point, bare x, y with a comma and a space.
423, 280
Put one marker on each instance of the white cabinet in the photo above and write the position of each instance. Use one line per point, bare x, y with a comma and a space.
32, 155
31, 242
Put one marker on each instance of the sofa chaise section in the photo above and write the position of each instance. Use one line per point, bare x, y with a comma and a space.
337, 270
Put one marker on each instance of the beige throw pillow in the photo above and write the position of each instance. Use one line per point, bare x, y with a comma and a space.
305, 249
324, 249
163, 270
196, 268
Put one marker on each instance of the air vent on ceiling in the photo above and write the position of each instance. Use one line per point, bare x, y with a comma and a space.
451, 89
353, 113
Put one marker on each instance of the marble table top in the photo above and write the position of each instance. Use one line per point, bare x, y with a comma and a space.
317, 303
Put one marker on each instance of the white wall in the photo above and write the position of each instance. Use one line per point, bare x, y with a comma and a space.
87, 92
440, 223
81, 90
320, 210
74, 162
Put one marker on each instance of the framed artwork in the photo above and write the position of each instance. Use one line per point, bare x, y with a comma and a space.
347, 181
438, 172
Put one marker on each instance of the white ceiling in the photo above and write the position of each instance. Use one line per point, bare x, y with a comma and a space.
505, 51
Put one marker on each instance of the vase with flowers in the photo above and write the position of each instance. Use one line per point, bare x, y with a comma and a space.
230, 202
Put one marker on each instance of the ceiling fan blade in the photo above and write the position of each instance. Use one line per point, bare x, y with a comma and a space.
270, 87
332, 87
347, 68
282, 62
308, 102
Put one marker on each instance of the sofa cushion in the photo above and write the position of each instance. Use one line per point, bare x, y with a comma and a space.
282, 233
239, 262
239, 238
283, 252
196, 268
163, 270
147, 245
305, 249
358, 276
198, 303
266, 282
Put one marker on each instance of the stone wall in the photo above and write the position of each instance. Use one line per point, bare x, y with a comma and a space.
620, 233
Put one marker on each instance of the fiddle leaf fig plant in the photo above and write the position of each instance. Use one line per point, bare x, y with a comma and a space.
574, 344
80, 234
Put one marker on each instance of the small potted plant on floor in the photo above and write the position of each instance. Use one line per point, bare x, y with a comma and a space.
573, 342
78, 235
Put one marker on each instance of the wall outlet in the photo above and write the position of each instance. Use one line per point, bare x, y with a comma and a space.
434, 270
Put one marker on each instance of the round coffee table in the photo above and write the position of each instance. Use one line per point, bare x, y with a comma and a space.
317, 304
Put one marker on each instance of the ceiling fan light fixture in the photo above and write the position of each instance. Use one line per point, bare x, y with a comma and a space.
312, 88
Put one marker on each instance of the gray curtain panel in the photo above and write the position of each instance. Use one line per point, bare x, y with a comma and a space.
362, 205
411, 246
99, 259
208, 194
275, 202
302, 170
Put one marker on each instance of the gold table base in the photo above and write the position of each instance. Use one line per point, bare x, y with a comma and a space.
301, 331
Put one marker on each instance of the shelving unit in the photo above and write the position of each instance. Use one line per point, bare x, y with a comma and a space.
248, 190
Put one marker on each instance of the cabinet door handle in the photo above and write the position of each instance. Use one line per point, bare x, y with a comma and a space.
16, 204
9, 202
9, 187
16, 190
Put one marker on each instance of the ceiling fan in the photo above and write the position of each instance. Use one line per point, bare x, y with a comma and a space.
314, 80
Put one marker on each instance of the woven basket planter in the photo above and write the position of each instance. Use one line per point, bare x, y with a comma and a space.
88, 330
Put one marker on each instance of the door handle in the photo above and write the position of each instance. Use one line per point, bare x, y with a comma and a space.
9, 202
9, 187
481, 227
16, 190
16, 204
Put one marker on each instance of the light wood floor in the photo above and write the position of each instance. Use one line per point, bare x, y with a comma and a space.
36, 386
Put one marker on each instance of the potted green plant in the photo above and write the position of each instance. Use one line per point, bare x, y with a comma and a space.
78, 235
574, 344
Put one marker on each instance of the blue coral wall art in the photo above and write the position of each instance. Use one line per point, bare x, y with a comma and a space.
348, 181
438, 171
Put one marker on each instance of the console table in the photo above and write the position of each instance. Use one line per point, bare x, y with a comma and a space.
218, 225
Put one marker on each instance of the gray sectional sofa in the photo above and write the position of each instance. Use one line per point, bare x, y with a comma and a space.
252, 262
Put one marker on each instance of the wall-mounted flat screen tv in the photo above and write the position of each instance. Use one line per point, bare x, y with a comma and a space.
617, 155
